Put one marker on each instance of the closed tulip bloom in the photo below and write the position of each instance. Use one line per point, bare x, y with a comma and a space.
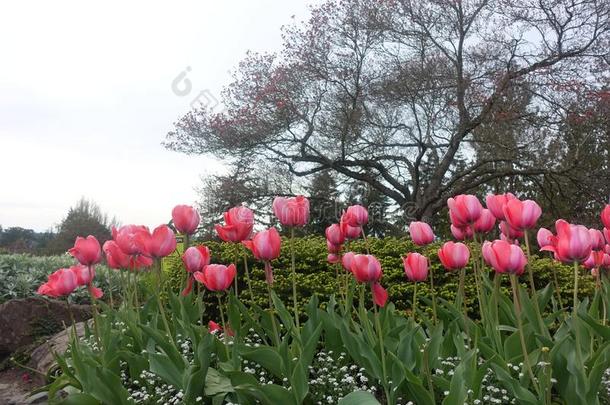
380, 295
486, 222
454, 256
86, 250
115, 258
332, 248
196, 258
333, 258
606, 217
239, 222
216, 277
607, 234
139, 261
504, 257
544, 237
464, 209
347, 261
334, 234
132, 239
366, 268
350, 232
496, 202
213, 327
416, 267
355, 215
461, 233
265, 245
59, 283
522, 215
597, 259
421, 233
185, 218
597, 239
162, 241
292, 211
509, 232
572, 243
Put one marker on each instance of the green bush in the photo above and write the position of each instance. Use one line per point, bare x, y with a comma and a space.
316, 276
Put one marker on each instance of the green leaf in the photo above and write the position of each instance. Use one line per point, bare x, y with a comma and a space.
216, 383
359, 398
80, 399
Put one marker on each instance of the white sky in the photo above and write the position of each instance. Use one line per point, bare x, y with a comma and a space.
86, 99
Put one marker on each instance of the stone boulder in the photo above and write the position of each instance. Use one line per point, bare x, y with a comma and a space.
24, 320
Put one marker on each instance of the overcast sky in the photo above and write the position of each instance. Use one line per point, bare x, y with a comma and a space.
86, 99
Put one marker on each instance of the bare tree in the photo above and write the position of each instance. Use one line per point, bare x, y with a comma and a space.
408, 95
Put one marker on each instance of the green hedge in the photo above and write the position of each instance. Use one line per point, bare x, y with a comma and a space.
316, 276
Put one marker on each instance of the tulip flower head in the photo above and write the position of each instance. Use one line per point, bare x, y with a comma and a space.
162, 242
598, 241
186, 219
461, 233
544, 237
239, 222
509, 232
350, 232
356, 215
265, 246
347, 260
522, 215
59, 283
334, 234
572, 243
86, 250
504, 257
421, 233
115, 258
454, 256
464, 209
367, 269
195, 258
486, 222
332, 248
216, 277
292, 211
132, 239
416, 267
496, 202
333, 258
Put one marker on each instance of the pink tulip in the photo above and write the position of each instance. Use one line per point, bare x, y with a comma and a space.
265, 245
504, 257
332, 248
572, 243
115, 258
597, 259
139, 261
464, 209
291, 211
350, 232
421, 233
334, 234
522, 215
597, 239
86, 251
509, 232
416, 267
239, 222
59, 283
216, 277
347, 260
162, 242
132, 239
454, 256
607, 235
333, 258
496, 202
486, 222
82, 274
461, 233
185, 218
355, 215
544, 237
606, 217
366, 268
380, 295
195, 258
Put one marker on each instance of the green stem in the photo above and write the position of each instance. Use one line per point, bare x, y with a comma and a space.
534, 293
95, 310
414, 300
575, 305
294, 281
236, 268
433, 296
366, 242
271, 311
245, 255
517, 304
224, 325
109, 276
159, 303
462, 292
382, 352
